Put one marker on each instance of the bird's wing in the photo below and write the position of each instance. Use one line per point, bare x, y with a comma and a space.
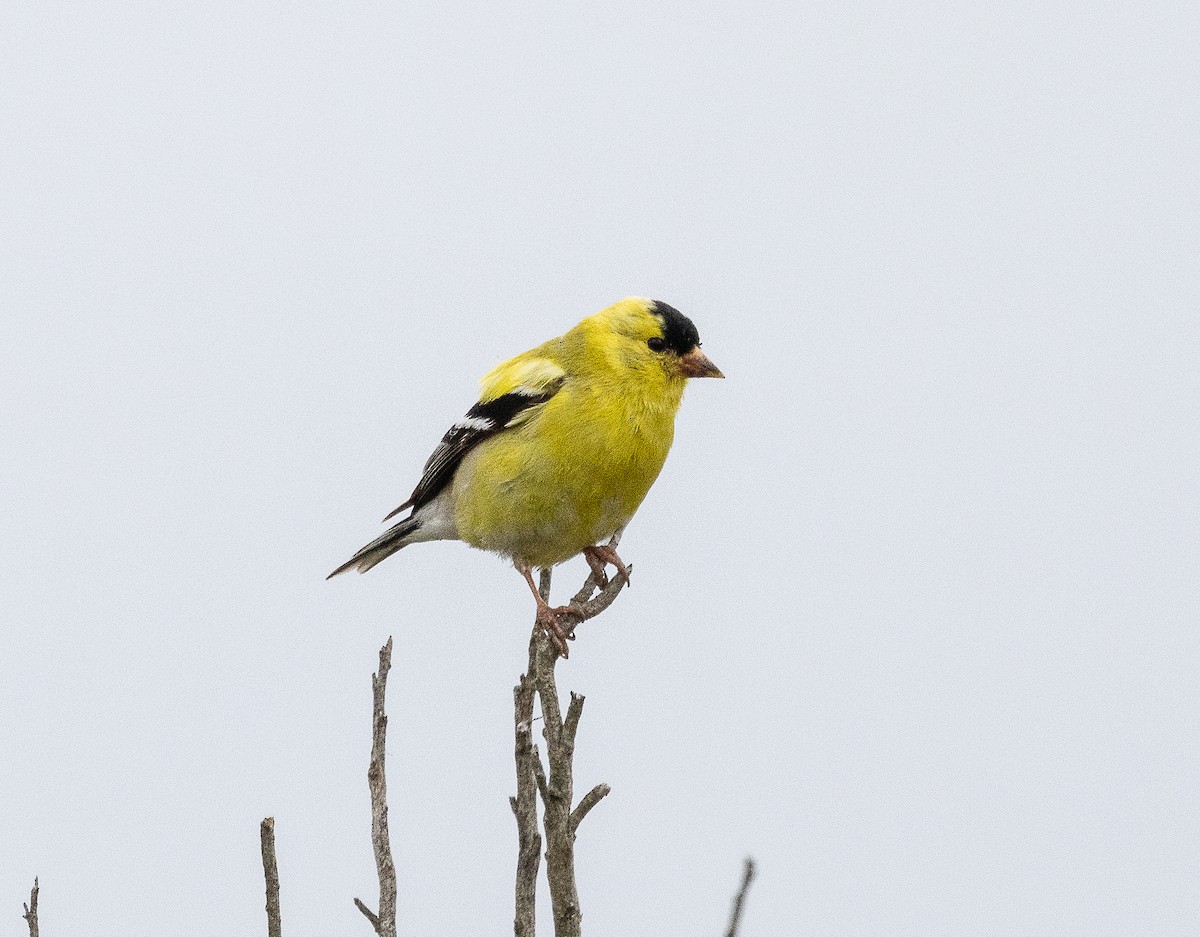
510, 395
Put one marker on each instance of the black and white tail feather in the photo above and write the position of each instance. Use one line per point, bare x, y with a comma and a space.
432, 515
397, 536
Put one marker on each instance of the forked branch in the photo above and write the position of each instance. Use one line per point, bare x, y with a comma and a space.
30, 914
385, 921
555, 781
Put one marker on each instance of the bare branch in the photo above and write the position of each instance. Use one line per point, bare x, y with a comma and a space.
539, 774
582, 611
735, 915
571, 723
370, 915
554, 785
266, 834
524, 805
556, 799
552, 722
384, 922
590, 799
30, 914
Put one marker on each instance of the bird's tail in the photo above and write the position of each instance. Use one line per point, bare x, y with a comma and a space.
379, 549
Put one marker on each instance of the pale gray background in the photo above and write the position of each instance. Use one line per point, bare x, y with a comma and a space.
914, 610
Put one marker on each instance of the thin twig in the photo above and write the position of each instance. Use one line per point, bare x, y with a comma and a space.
586, 803
266, 834
735, 915
571, 723
556, 799
580, 612
524, 805
30, 914
385, 921
370, 915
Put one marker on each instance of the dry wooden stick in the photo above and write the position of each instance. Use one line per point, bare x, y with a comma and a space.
585, 805
593, 598
385, 921
735, 915
524, 805
30, 914
266, 834
556, 785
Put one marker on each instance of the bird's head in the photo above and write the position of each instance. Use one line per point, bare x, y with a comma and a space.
650, 332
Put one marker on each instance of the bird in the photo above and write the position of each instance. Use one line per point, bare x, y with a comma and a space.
559, 451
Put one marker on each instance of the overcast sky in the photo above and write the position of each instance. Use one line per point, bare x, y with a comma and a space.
914, 616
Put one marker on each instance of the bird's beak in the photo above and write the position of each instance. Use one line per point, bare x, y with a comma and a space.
696, 364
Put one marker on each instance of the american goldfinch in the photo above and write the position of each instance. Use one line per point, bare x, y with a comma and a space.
560, 450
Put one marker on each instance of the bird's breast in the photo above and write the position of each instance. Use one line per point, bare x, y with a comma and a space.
566, 479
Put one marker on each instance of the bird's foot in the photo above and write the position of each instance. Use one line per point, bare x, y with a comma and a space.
597, 566
603, 555
548, 620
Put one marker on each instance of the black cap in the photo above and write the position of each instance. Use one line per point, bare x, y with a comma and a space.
679, 332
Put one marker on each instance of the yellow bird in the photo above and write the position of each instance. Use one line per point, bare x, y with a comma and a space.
560, 450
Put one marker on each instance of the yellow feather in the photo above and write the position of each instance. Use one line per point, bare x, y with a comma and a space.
526, 372
575, 471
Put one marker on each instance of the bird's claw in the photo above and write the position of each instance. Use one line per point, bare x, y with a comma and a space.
596, 565
598, 557
547, 618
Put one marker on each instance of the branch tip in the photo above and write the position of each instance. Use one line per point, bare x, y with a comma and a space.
571, 723
31, 909
585, 805
385, 921
266, 834
739, 900
370, 915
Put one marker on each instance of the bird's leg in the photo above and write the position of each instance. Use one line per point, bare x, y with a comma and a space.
547, 617
600, 555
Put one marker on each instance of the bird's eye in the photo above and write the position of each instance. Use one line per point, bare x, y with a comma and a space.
656, 344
